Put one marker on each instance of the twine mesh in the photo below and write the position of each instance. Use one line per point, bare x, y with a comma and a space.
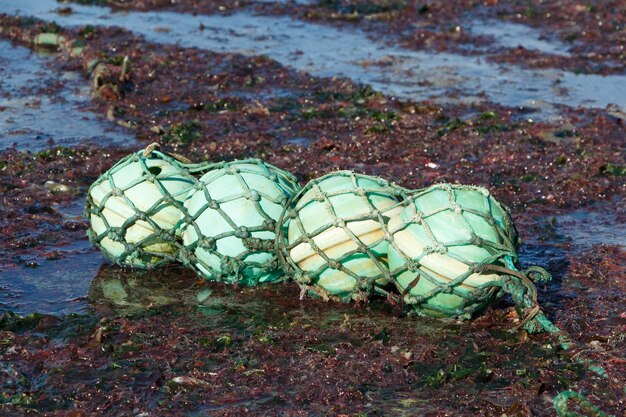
368, 193
499, 259
256, 259
158, 245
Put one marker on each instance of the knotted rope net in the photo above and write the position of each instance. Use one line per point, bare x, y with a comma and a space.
229, 223
453, 250
332, 239
134, 208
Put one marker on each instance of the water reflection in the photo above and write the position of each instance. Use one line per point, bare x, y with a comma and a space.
53, 285
129, 292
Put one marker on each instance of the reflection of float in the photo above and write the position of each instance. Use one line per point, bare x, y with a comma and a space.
177, 289
129, 292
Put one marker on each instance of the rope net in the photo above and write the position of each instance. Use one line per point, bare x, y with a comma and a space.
453, 250
134, 208
229, 222
333, 238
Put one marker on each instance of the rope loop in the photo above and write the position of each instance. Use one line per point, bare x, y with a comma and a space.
562, 408
538, 274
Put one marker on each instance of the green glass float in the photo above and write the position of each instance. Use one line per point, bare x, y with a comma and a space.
442, 242
229, 228
135, 207
333, 237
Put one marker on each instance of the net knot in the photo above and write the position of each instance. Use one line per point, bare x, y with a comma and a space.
302, 278
253, 195
242, 232
412, 265
116, 234
208, 243
91, 235
269, 225
334, 264
230, 266
538, 274
168, 236
339, 222
440, 248
185, 257
134, 254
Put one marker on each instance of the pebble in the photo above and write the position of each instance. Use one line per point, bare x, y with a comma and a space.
55, 187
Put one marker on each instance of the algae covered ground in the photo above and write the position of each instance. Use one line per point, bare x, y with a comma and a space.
524, 98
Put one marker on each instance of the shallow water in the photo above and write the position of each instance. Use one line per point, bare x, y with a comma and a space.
328, 51
585, 228
514, 35
30, 115
53, 286
55, 280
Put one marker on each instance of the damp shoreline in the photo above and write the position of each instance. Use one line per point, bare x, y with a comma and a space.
81, 337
